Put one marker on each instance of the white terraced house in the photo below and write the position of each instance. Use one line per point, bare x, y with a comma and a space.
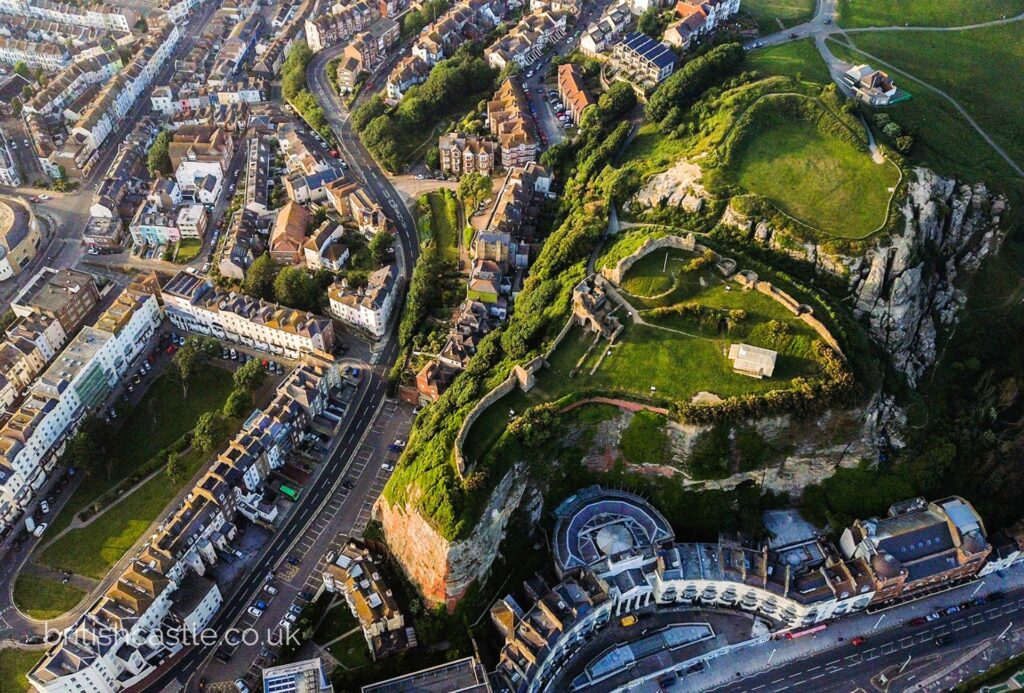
79, 380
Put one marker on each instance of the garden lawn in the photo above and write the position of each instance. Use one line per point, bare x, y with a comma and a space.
14, 668
93, 549
862, 13
352, 651
796, 58
42, 598
819, 180
161, 417
188, 250
445, 219
773, 15
987, 81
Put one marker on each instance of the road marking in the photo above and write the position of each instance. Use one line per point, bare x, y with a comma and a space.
979, 617
888, 648
960, 625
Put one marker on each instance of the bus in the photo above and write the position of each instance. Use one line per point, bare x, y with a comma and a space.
794, 634
290, 492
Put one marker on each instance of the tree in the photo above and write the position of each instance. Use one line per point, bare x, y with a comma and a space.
249, 376
380, 248
357, 279
259, 279
192, 356
86, 450
158, 160
295, 287
238, 404
615, 103
22, 69
651, 23
210, 431
177, 469
473, 189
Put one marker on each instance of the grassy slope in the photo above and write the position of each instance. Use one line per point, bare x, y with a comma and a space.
161, 417
14, 667
943, 140
987, 81
43, 598
93, 549
789, 60
862, 13
789, 12
445, 219
817, 179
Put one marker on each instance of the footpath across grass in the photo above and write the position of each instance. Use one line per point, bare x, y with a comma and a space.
95, 548
162, 416
14, 668
42, 598
445, 219
987, 81
819, 180
865, 13
775, 15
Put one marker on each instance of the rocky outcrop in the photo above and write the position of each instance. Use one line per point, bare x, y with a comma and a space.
679, 186
907, 286
444, 570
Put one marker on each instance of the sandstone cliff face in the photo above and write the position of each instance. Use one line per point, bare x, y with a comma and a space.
443, 570
906, 287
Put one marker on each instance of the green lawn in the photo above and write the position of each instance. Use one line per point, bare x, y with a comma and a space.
862, 13
797, 58
338, 621
93, 549
43, 598
987, 81
943, 140
162, 417
14, 668
819, 180
188, 250
774, 15
352, 651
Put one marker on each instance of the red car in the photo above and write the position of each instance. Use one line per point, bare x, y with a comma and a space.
171, 349
919, 621
858, 641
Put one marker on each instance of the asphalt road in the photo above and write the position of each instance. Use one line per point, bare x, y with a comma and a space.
849, 667
372, 390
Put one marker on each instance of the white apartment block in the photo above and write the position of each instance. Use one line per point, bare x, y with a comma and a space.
193, 304
368, 307
79, 380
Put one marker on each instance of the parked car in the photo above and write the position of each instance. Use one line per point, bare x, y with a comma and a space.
45, 507
270, 589
292, 560
952, 610
858, 641
919, 621
242, 686
933, 616
943, 639
255, 612
295, 609
387, 467
40, 529
234, 355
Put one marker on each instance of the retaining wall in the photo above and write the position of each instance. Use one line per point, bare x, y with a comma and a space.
687, 243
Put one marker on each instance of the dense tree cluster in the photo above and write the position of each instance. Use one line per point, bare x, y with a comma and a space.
158, 159
293, 88
684, 87
391, 134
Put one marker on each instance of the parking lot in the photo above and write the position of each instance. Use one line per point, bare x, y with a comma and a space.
297, 578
